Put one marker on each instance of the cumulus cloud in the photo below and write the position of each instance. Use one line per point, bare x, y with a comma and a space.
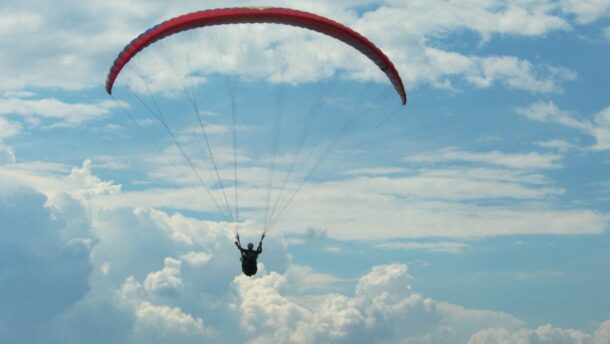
87, 185
167, 280
373, 314
304, 280
44, 269
167, 321
156, 277
602, 335
383, 309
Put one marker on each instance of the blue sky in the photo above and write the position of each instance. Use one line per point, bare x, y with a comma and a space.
476, 213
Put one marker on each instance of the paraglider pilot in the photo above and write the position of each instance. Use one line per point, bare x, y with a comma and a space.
249, 256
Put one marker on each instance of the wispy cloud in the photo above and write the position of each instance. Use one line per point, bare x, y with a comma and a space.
8, 128
585, 11
530, 160
598, 127
560, 145
7, 155
606, 33
436, 246
62, 113
518, 74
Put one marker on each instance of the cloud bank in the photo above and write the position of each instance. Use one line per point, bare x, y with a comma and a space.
94, 275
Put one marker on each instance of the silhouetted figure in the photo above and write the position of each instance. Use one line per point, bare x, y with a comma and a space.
249, 256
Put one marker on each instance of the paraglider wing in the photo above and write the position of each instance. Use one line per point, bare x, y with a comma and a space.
258, 15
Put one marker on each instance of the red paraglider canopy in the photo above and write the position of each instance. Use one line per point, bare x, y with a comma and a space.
258, 15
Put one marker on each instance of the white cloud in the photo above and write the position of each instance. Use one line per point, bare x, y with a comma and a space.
425, 62
62, 113
304, 279
391, 279
396, 216
383, 310
484, 72
415, 203
530, 160
602, 335
431, 202
549, 112
598, 127
46, 177
263, 309
135, 257
486, 17
153, 322
560, 145
7, 156
8, 129
586, 11
156, 276
45, 270
196, 258
601, 129
167, 321
167, 280
438, 246
380, 203
542, 334
89, 44
519, 74
87, 185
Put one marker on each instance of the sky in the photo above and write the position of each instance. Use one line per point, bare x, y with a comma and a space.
476, 213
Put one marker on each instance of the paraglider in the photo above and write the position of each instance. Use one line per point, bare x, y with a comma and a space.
258, 15
249, 256
252, 15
